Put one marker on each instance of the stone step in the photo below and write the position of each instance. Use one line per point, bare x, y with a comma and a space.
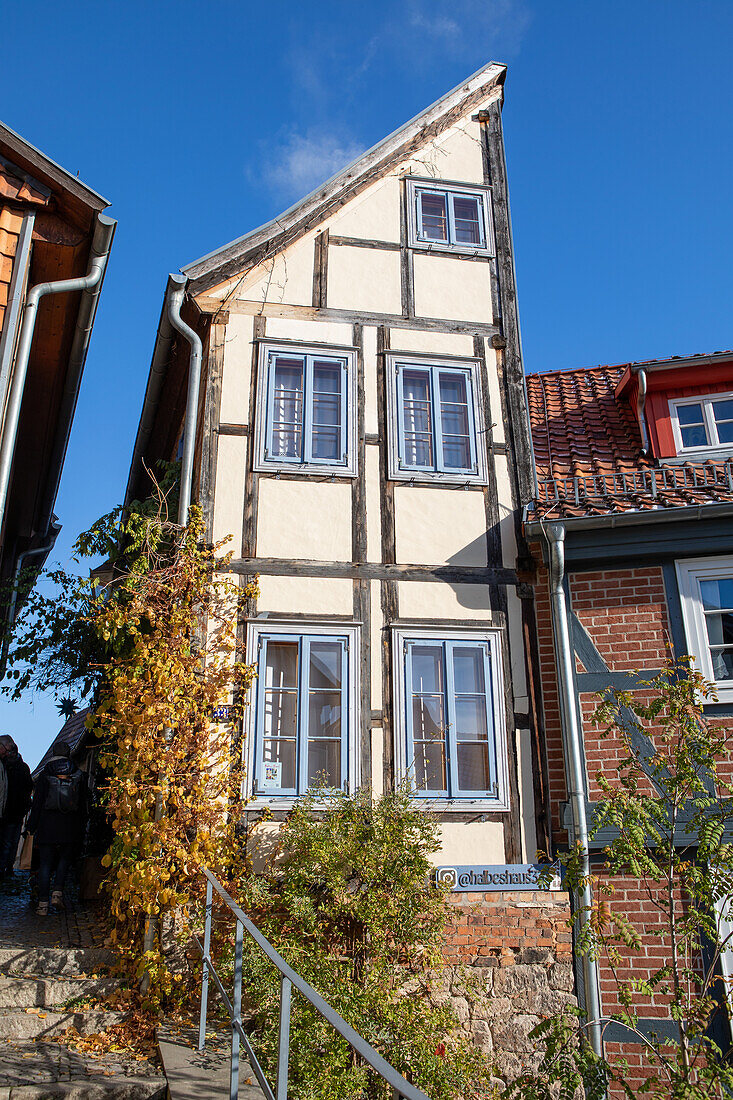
22, 992
36, 1070
42, 1023
50, 961
112, 1088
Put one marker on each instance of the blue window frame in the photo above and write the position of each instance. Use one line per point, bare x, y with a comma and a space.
302, 716
450, 721
436, 426
449, 217
307, 409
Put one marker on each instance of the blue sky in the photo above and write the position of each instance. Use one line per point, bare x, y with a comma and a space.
199, 121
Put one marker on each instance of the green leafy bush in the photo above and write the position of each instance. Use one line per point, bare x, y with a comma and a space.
347, 898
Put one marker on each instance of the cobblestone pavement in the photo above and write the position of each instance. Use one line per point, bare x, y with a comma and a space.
46, 985
44, 1062
79, 925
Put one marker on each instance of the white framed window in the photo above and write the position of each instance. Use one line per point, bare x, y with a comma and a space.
706, 593
449, 217
450, 727
435, 417
306, 409
302, 720
703, 423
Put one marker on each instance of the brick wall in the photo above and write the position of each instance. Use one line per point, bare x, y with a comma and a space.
624, 611
508, 964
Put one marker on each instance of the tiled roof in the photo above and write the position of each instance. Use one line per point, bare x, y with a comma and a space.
588, 456
72, 732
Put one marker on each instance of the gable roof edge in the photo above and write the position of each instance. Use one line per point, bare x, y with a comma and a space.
297, 219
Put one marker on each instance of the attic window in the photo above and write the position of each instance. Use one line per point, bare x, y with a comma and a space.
449, 218
703, 423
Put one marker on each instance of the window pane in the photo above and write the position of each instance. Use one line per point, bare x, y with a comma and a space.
723, 410
723, 413
325, 670
428, 721
694, 436
281, 665
720, 629
287, 411
324, 763
417, 418
723, 664
454, 421
690, 414
717, 593
473, 767
471, 724
427, 668
468, 669
466, 218
281, 713
430, 766
326, 411
433, 216
278, 765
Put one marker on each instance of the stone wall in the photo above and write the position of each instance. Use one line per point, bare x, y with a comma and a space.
508, 964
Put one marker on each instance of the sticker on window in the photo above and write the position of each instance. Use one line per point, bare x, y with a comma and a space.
272, 776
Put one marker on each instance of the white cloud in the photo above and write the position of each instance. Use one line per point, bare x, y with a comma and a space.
302, 161
475, 30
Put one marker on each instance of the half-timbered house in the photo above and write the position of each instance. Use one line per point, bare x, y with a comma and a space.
361, 439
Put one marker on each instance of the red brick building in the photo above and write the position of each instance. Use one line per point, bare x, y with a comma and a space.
632, 529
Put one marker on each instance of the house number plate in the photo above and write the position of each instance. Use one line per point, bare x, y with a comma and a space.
505, 876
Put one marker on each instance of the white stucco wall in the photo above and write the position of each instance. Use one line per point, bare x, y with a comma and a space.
304, 519
439, 526
365, 279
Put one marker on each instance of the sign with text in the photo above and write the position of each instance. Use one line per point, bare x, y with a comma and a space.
504, 876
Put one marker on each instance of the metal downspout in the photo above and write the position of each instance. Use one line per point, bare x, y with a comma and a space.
640, 403
93, 278
555, 534
175, 291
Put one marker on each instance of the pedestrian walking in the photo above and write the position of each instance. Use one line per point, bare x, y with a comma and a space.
57, 819
19, 787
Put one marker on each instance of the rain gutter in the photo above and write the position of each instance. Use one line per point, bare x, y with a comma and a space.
91, 284
170, 323
583, 897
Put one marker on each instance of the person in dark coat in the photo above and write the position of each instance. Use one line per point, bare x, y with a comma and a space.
57, 819
19, 790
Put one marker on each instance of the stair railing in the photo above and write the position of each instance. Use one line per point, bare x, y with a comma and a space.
401, 1089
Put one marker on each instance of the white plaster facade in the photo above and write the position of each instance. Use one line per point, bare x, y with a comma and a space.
358, 548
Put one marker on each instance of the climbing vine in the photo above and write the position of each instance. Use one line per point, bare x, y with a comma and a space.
152, 637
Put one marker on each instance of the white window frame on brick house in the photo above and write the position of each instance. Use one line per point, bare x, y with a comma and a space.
259, 631
342, 358
401, 465
421, 191
690, 574
706, 401
450, 800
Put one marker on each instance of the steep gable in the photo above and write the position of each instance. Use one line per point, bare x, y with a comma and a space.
438, 137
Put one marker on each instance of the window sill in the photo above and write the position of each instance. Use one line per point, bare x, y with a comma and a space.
426, 477
303, 469
462, 805
470, 251
700, 454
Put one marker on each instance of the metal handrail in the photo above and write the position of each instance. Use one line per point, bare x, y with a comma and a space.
401, 1089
